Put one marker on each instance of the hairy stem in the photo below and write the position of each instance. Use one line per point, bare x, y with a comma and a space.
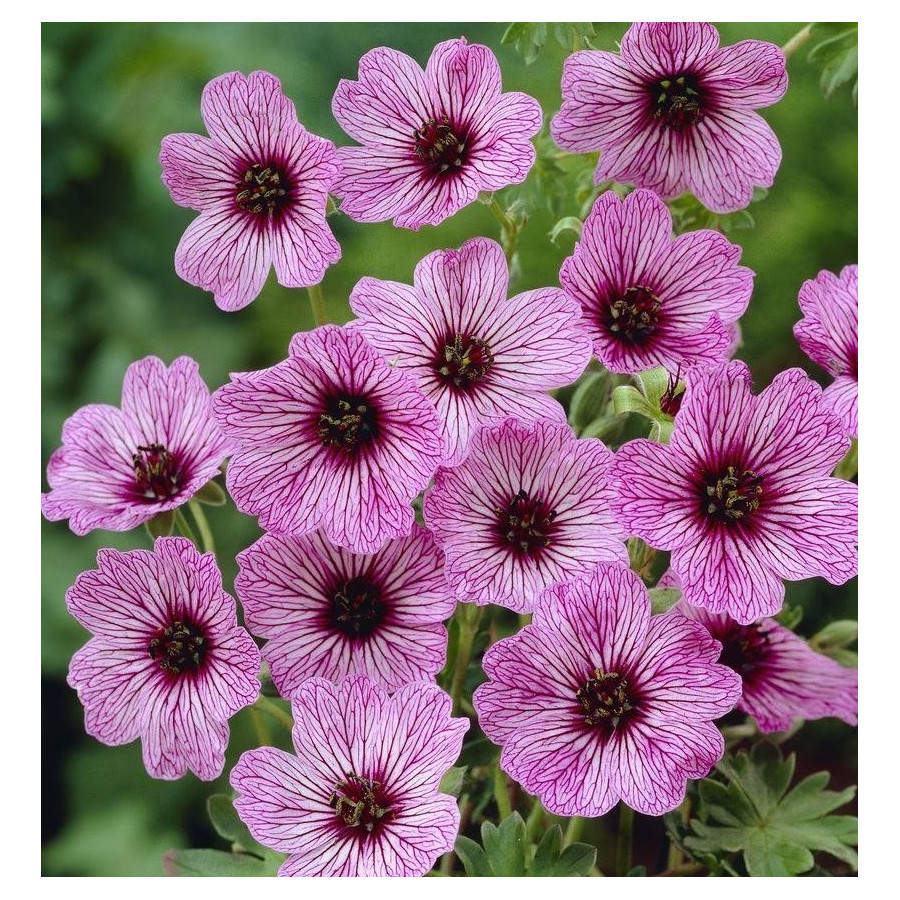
317, 304
501, 792
467, 617
625, 844
185, 528
206, 535
275, 711
798, 40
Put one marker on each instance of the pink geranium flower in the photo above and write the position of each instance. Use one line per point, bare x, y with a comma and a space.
167, 662
782, 677
331, 438
828, 334
530, 507
328, 612
741, 496
477, 355
361, 795
260, 182
597, 702
674, 112
118, 468
430, 140
648, 300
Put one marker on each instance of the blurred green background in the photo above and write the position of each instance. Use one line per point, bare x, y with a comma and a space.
110, 296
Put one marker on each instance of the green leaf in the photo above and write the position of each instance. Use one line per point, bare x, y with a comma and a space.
567, 223
528, 38
835, 636
473, 858
214, 863
637, 872
627, 399
211, 494
775, 829
575, 860
452, 781
505, 845
547, 852
838, 54
590, 400
663, 599
161, 525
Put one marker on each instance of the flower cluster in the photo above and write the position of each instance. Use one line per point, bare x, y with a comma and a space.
415, 458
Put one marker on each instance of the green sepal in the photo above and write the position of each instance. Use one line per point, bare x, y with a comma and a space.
161, 525
790, 616
211, 494
590, 400
452, 781
663, 599
835, 635
567, 223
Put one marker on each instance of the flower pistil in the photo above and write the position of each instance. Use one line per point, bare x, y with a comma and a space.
156, 472
605, 698
676, 101
526, 523
731, 496
438, 146
179, 647
359, 802
263, 189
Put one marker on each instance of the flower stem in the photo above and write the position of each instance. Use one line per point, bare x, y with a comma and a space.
317, 304
509, 230
797, 41
573, 830
501, 792
467, 617
184, 527
275, 711
535, 821
625, 845
206, 535
263, 735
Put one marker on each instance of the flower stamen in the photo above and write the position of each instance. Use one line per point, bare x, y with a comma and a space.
356, 607
347, 423
605, 698
526, 524
732, 496
359, 803
155, 472
180, 647
263, 189
437, 145
465, 361
676, 102
633, 316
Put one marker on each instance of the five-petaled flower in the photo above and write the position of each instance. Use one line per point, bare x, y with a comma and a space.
430, 140
529, 507
596, 702
260, 182
360, 797
742, 496
118, 468
828, 334
478, 356
326, 612
167, 662
674, 112
330, 438
647, 299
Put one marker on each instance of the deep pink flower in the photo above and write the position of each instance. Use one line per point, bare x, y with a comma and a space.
597, 702
328, 612
782, 677
673, 112
648, 300
477, 355
331, 438
168, 662
529, 507
741, 495
361, 795
828, 335
260, 182
118, 468
430, 140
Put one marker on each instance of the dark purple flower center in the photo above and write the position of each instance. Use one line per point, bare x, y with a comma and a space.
744, 649
179, 647
356, 607
347, 423
853, 359
605, 699
441, 146
633, 316
527, 524
676, 101
733, 495
156, 472
465, 360
262, 190
360, 803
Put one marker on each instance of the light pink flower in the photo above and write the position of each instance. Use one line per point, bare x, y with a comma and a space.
430, 140
529, 507
828, 334
167, 662
741, 495
361, 795
647, 299
330, 438
478, 356
260, 182
597, 702
328, 612
674, 112
118, 468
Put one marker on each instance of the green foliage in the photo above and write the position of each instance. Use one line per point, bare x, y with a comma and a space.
790, 616
506, 852
689, 214
837, 53
247, 858
529, 38
645, 399
452, 781
834, 640
775, 829
211, 494
663, 599
161, 525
